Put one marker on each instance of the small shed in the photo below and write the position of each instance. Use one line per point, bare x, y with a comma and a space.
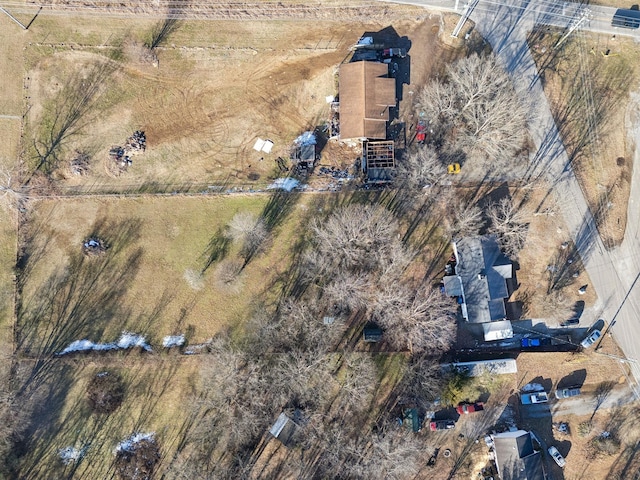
452, 285
372, 333
284, 429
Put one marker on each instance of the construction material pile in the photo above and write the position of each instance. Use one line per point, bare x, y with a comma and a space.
121, 156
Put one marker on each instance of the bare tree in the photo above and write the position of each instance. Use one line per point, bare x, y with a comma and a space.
420, 321
464, 220
250, 231
509, 223
358, 381
348, 292
422, 381
603, 391
418, 168
476, 110
356, 238
388, 454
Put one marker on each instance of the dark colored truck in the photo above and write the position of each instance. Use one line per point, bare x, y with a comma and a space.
626, 18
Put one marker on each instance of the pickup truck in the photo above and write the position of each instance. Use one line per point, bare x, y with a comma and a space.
534, 342
394, 52
466, 408
533, 398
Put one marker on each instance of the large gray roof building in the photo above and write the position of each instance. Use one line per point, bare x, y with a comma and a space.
481, 273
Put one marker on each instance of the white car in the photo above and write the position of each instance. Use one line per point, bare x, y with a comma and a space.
559, 459
591, 339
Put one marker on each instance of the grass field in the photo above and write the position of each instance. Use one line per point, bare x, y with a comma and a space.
218, 87
159, 276
589, 82
159, 398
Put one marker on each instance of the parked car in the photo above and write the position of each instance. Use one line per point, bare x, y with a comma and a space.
465, 408
555, 454
567, 392
534, 342
442, 425
530, 342
571, 321
533, 398
591, 339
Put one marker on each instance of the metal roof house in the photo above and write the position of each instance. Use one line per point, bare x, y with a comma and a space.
479, 280
515, 457
366, 94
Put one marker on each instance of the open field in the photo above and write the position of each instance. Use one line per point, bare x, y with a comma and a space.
159, 398
589, 82
276, 74
159, 276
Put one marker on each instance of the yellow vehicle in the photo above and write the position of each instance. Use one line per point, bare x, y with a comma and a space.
453, 168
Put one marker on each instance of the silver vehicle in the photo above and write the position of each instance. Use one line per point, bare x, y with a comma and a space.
567, 392
591, 339
555, 454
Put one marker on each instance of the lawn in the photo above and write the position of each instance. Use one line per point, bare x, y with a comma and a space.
158, 278
159, 398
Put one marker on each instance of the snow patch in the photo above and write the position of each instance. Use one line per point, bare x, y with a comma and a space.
128, 444
126, 340
532, 387
287, 184
173, 341
70, 455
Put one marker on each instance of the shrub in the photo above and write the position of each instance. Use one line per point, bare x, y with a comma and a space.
105, 392
585, 428
604, 445
138, 459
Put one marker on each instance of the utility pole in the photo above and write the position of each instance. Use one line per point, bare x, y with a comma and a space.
585, 15
465, 16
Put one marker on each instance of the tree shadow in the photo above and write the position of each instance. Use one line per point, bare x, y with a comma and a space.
69, 113
574, 379
81, 299
216, 250
564, 268
161, 31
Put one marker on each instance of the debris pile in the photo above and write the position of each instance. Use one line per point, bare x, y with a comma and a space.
137, 456
173, 341
127, 340
121, 156
79, 165
94, 246
334, 172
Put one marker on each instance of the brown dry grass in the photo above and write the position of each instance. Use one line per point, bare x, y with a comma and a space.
174, 234
158, 398
547, 232
604, 166
219, 86
11, 102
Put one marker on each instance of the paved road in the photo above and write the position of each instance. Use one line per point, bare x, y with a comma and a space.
614, 274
